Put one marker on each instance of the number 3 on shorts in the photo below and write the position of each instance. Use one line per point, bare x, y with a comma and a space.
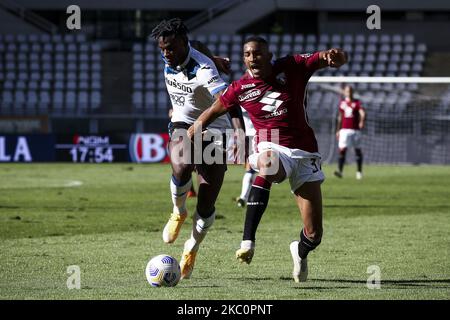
314, 164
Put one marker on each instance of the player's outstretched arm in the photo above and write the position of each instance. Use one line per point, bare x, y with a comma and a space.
335, 58
209, 115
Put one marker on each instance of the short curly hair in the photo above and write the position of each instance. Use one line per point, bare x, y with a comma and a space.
170, 27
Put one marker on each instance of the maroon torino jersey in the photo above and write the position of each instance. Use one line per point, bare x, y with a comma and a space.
279, 102
350, 114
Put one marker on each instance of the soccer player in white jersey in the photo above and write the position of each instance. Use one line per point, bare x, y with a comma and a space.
192, 82
250, 174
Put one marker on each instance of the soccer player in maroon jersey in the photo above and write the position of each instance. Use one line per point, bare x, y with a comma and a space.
274, 96
350, 122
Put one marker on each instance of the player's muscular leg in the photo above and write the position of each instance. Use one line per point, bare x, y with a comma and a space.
181, 168
210, 182
270, 167
309, 201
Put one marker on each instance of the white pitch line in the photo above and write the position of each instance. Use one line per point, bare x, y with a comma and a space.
73, 183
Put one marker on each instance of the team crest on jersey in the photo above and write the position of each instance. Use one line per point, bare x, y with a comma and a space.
281, 78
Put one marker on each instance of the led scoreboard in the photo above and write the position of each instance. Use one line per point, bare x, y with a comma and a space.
92, 148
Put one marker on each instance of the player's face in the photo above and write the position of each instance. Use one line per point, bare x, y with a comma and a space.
174, 49
257, 59
348, 92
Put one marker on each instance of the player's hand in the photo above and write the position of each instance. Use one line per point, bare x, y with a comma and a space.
336, 57
361, 125
222, 64
337, 135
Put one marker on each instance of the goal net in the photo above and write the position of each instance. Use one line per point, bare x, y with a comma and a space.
407, 118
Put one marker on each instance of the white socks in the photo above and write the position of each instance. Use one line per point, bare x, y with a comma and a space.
199, 230
247, 182
247, 244
179, 195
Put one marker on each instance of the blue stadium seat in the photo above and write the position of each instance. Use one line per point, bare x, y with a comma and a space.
84, 47
60, 47
20, 85
84, 57
397, 38
72, 66
236, 39
70, 100
8, 85
59, 85
69, 38
71, 85
150, 85
83, 85
80, 37
299, 38
72, 76
324, 38
385, 38
44, 99
57, 38
83, 75
45, 85
95, 99
83, 66
138, 85
95, 57
96, 85
137, 99
83, 99
47, 76
31, 99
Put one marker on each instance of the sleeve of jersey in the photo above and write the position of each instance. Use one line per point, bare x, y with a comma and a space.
212, 80
228, 97
309, 62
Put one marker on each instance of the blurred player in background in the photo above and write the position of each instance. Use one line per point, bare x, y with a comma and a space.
350, 122
193, 82
250, 174
273, 95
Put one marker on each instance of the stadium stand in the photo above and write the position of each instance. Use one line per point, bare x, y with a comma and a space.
42, 74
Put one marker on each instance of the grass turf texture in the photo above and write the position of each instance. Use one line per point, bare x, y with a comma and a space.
397, 218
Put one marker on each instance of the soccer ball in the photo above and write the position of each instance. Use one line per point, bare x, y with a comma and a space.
163, 271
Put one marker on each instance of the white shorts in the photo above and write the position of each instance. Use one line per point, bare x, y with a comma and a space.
349, 138
300, 166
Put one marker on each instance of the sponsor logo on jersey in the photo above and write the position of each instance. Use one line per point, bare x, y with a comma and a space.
250, 95
247, 86
276, 113
213, 79
179, 100
174, 83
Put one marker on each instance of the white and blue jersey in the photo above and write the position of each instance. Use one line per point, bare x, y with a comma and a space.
192, 86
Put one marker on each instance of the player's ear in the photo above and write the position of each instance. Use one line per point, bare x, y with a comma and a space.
270, 56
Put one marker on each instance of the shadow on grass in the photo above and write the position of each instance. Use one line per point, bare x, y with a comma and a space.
396, 284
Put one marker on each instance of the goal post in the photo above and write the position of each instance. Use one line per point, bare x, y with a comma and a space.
407, 118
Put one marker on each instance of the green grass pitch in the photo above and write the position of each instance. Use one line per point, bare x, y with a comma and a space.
397, 218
